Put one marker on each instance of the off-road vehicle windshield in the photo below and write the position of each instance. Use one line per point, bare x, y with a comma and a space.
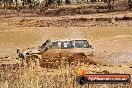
44, 45
81, 44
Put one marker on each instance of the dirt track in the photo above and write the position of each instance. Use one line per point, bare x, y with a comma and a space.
110, 33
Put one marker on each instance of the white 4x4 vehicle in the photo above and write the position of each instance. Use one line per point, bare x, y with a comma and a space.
71, 50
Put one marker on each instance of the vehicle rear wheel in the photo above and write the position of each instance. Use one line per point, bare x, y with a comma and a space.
79, 58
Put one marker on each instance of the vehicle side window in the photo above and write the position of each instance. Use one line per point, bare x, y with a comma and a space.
66, 44
55, 45
81, 44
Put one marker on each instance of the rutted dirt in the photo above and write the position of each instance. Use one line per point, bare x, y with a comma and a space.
101, 20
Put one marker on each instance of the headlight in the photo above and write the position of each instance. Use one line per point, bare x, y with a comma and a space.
27, 53
21, 55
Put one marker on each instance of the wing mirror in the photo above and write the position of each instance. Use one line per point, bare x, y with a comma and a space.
18, 51
90, 46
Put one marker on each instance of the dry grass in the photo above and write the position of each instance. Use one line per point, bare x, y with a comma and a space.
36, 77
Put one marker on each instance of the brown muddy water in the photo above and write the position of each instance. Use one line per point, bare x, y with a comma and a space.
112, 45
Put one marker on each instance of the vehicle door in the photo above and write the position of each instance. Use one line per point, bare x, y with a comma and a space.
51, 51
66, 48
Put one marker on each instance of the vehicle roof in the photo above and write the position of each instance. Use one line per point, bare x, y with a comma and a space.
54, 40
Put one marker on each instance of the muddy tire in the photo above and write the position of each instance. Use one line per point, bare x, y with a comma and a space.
79, 58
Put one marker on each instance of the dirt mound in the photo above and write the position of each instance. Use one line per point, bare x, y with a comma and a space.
100, 19
77, 22
75, 10
123, 18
